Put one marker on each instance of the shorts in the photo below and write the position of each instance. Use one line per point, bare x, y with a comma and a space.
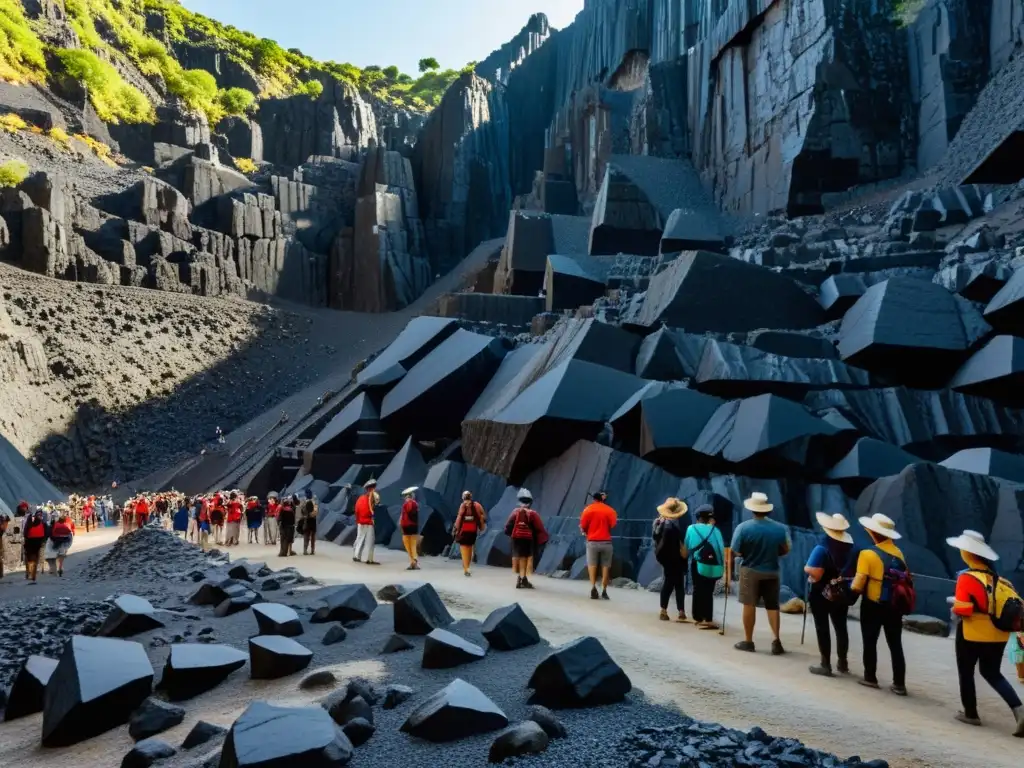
599, 554
756, 586
410, 530
522, 547
467, 539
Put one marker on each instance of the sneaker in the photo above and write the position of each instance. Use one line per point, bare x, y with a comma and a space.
593, 594
372, 562
356, 560
663, 616
604, 594
411, 568
899, 690
519, 583
822, 670
681, 618
465, 573
967, 720
777, 649
843, 667
744, 645
415, 566
868, 683
527, 584
1019, 731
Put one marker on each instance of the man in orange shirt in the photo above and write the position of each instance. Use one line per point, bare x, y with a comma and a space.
597, 522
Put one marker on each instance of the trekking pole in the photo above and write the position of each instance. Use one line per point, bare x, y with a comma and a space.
807, 597
728, 589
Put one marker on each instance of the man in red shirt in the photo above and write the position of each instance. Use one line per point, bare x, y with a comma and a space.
234, 508
141, 512
270, 521
597, 522
366, 536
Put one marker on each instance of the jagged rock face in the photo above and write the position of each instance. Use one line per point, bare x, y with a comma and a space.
461, 166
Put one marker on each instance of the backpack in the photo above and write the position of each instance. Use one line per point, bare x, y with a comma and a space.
902, 593
705, 553
520, 523
1005, 607
839, 589
662, 545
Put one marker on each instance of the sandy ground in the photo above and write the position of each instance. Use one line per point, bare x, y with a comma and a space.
699, 672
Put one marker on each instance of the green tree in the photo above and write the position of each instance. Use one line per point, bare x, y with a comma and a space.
429, 63
269, 58
391, 73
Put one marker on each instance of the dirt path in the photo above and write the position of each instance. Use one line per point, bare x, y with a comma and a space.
702, 674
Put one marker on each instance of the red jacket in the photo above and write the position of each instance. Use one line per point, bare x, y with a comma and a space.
61, 530
527, 524
234, 512
272, 508
141, 508
410, 514
364, 510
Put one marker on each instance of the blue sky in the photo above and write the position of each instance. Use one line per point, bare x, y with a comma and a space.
386, 32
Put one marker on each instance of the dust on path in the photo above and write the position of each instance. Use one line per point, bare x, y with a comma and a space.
705, 677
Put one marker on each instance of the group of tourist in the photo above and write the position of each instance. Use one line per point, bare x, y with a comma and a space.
44, 533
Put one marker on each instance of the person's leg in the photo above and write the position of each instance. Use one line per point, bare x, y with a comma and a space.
749, 620
466, 553
839, 613
747, 594
60, 565
357, 554
680, 590
893, 628
820, 615
703, 598
870, 629
990, 658
371, 540
966, 660
606, 567
668, 585
593, 563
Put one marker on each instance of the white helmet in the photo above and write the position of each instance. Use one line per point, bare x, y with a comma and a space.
524, 495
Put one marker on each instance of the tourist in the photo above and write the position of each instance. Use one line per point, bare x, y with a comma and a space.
310, 511
162, 511
470, 521
89, 512
668, 551
181, 518
61, 535
979, 642
366, 505
877, 568
409, 522
34, 539
270, 520
217, 518
193, 518
5, 521
253, 519
127, 516
828, 570
526, 529
705, 548
597, 522
760, 542
141, 512
203, 524
233, 528
286, 523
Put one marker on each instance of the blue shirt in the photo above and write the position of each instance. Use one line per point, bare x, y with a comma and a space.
695, 535
758, 542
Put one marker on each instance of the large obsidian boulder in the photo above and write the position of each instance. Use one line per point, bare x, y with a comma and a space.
130, 615
420, 611
277, 619
444, 650
344, 708
237, 603
352, 602
29, 689
96, 686
455, 712
273, 656
578, 674
153, 717
193, 669
509, 629
265, 736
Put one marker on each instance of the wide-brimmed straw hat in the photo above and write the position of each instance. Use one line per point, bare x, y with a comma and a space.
673, 508
371, 483
410, 490
882, 525
835, 526
973, 542
758, 502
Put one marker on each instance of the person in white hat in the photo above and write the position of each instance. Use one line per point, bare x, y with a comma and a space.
409, 522
828, 570
760, 541
881, 578
526, 529
979, 642
470, 522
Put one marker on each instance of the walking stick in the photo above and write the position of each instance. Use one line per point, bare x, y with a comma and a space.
807, 598
728, 588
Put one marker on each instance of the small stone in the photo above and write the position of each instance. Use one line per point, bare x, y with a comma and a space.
146, 753
527, 738
358, 731
154, 717
396, 643
319, 679
335, 634
201, 733
547, 720
397, 694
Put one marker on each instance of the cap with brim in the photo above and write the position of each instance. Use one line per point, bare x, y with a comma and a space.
598, 495
758, 502
835, 526
673, 508
704, 510
973, 542
371, 483
410, 490
524, 495
882, 525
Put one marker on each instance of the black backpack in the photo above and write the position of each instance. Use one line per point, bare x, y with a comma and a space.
664, 539
704, 553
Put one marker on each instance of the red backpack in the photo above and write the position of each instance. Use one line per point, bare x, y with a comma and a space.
900, 583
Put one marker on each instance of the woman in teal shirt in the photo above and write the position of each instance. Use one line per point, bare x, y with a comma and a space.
706, 551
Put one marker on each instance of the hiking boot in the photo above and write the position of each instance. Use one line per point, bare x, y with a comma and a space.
967, 720
744, 645
663, 616
843, 667
519, 583
899, 690
822, 670
372, 562
527, 584
1019, 714
466, 573
604, 594
777, 649
681, 618
593, 594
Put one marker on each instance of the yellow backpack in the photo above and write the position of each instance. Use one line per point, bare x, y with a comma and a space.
1007, 609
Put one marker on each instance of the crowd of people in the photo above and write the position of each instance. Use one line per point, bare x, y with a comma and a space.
44, 533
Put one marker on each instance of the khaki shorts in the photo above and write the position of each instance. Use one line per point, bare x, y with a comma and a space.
756, 586
599, 554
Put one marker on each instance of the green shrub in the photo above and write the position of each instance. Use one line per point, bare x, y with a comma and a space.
246, 165
311, 88
114, 99
12, 173
269, 58
236, 101
21, 50
12, 123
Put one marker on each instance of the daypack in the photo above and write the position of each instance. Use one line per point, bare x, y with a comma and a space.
902, 593
519, 525
1005, 607
663, 543
839, 589
705, 552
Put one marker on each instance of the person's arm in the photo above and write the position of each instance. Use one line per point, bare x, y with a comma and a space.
585, 520
860, 580
814, 568
969, 594
786, 546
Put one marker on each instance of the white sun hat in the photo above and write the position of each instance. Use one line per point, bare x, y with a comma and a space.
882, 525
410, 490
524, 495
835, 526
758, 502
973, 542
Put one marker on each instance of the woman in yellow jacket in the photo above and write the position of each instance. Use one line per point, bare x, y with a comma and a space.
979, 643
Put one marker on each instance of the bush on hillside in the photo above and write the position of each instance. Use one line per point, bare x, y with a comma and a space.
246, 165
115, 100
12, 123
21, 50
12, 173
311, 88
236, 101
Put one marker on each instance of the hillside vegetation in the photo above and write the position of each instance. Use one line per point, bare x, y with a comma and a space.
112, 31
